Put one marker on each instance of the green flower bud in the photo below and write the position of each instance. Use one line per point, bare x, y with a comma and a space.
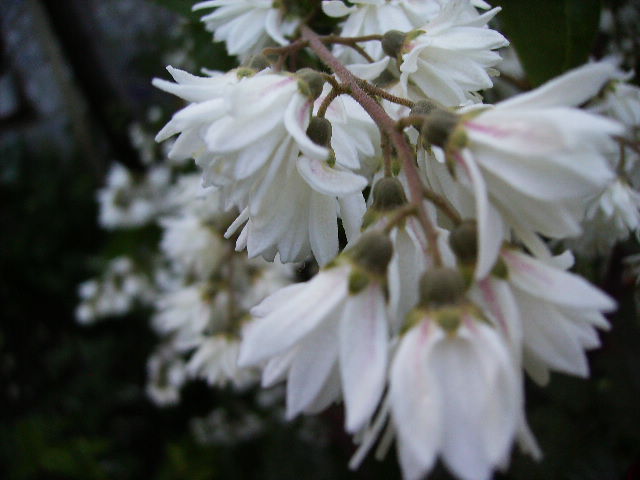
438, 127
373, 253
388, 194
319, 131
441, 287
310, 82
464, 241
393, 42
449, 319
424, 107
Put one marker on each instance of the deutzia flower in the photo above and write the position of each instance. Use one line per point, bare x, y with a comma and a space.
127, 202
367, 17
609, 219
165, 376
560, 312
448, 59
328, 335
530, 157
216, 361
250, 138
246, 26
455, 391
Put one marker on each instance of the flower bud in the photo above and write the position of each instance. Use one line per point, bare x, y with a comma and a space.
464, 241
310, 82
438, 127
393, 42
424, 107
388, 194
257, 62
373, 253
319, 131
441, 286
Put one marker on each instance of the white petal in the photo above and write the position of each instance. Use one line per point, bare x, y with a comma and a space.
363, 355
352, 210
554, 285
285, 326
334, 8
327, 180
415, 405
323, 228
490, 228
311, 367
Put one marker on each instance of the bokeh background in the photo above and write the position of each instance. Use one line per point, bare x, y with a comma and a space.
74, 85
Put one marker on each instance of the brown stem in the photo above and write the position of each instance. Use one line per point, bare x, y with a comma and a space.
349, 40
379, 92
333, 94
387, 125
387, 151
410, 121
444, 205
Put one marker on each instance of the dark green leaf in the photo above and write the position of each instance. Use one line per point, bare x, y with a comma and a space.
183, 7
550, 36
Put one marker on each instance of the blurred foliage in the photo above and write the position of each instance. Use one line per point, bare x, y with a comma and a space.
550, 36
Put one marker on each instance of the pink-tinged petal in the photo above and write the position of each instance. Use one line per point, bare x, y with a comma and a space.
554, 285
490, 227
363, 355
415, 402
323, 228
328, 180
571, 89
311, 367
499, 301
282, 328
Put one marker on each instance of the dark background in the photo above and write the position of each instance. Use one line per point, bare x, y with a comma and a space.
74, 74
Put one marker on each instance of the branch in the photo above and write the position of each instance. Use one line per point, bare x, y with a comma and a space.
388, 126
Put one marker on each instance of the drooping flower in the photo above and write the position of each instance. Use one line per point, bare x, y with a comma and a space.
328, 336
450, 58
251, 141
532, 158
247, 26
559, 311
455, 391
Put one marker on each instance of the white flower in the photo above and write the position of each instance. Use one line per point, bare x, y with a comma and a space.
216, 361
250, 139
534, 160
559, 314
369, 17
325, 340
186, 313
450, 61
127, 203
165, 376
246, 26
609, 219
454, 394
620, 101
192, 245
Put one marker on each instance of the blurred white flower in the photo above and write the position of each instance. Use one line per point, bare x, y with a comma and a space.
247, 26
450, 59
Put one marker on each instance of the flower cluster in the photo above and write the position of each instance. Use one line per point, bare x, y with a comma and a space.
431, 215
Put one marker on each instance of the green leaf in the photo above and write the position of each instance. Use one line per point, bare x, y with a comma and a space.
550, 36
